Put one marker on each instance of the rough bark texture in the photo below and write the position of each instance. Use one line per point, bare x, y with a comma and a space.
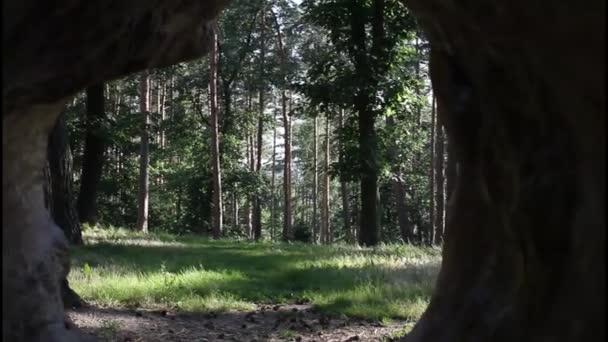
53, 50
524, 251
61, 204
93, 155
60, 201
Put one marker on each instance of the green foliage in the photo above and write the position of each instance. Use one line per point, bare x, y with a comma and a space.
195, 274
319, 73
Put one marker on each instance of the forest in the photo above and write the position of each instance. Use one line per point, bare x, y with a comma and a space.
297, 127
301, 126
303, 170
309, 123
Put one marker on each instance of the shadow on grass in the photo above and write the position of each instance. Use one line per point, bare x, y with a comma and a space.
266, 273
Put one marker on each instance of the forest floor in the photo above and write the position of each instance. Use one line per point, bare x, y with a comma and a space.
161, 287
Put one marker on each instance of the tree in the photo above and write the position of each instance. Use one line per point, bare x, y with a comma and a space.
355, 78
60, 194
144, 156
287, 212
451, 172
432, 211
315, 184
93, 156
257, 205
325, 214
59, 198
439, 181
344, 190
215, 144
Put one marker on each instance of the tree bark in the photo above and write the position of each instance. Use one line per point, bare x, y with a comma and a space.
93, 156
431, 229
365, 68
315, 182
439, 181
144, 154
326, 237
217, 215
287, 205
257, 205
287, 210
250, 198
59, 201
451, 173
345, 191
61, 197
272, 181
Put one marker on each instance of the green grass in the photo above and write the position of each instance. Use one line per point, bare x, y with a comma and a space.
121, 268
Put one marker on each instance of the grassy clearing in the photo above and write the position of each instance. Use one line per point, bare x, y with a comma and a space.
121, 268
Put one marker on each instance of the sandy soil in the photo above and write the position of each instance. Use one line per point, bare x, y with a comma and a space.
265, 323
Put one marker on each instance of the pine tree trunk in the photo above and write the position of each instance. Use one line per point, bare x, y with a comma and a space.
217, 215
93, 156
272, 181
315, 183
257, 205
431, 230
345, 191
144, 155
235, 211
250, 198
403, 220
439, 182
451, 173
287, 218
325, 225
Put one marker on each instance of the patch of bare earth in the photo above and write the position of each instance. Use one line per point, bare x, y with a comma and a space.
265, 323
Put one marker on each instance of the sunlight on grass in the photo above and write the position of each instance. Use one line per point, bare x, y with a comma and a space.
121, 268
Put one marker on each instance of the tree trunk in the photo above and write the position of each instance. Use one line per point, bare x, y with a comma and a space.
60, 201
217, 215
250, 198
431, 229
144, 155
439, 181
345, 191
287, 210
235, 211
315, 182
370, 225
368, 144
93, 156
257, 205
451, 173
273, 203
325, 216
60, 197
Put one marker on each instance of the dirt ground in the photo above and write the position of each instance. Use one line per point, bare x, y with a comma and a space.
265, 323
